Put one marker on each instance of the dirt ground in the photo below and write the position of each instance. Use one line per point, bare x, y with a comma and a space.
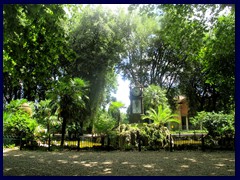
117, 163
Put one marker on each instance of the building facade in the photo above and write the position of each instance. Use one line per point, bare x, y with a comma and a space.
183, 116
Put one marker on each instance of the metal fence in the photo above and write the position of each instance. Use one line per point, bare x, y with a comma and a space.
177, 142
188, 141
202, 141
11, 140
81, 142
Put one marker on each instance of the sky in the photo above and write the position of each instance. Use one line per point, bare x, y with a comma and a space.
123, 92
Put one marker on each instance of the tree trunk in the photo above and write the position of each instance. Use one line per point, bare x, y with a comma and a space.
63, 130
49, 136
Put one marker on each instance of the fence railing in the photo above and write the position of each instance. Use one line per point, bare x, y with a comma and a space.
176, 142
81, 142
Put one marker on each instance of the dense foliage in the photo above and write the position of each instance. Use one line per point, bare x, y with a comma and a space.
162, 116
217, 124
65, 59
17, 121
150, 136
35, 50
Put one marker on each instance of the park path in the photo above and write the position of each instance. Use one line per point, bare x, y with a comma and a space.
118, 163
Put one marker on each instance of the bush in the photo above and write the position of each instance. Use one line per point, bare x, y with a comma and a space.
17, 121
217, 124
152, 136
220, 127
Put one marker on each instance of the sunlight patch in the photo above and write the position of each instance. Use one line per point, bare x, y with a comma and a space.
107, 162
193, 160
62, 161
220, 165
107, 171
93, 162
7, 169
88, 165
17, 155
41, 160
148, 166
184, 166
74, 156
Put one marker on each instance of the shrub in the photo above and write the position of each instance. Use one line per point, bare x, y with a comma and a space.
152, 136
217, 124
220, 128
17, 121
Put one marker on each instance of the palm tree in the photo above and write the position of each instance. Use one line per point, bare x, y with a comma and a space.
48, 117
71, 97
162, 116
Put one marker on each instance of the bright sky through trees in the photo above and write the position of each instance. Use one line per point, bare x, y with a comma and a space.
123, 92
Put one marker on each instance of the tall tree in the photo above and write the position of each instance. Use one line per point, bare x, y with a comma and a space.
198, 50
71, 97
134, 60
35, 49
97, 41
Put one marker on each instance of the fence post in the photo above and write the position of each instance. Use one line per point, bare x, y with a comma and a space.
108, 143
49, 142
139, 141
21, 141
203, 147
78, 144
171, 149
102, 140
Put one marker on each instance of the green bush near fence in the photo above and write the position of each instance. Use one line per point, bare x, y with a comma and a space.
152, 136
220, 127
217, 124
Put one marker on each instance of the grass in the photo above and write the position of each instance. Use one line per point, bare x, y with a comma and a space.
83, 144
188, 131
187, 142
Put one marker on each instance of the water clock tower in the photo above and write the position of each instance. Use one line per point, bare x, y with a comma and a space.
136, 105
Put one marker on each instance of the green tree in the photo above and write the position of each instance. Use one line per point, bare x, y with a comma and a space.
104, 123
218, 60
35, 49
153, 96
97, 41
135, 57
47, 118
114, 111
71, 97
202, 56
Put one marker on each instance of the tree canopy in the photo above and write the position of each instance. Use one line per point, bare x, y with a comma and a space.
183, 49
